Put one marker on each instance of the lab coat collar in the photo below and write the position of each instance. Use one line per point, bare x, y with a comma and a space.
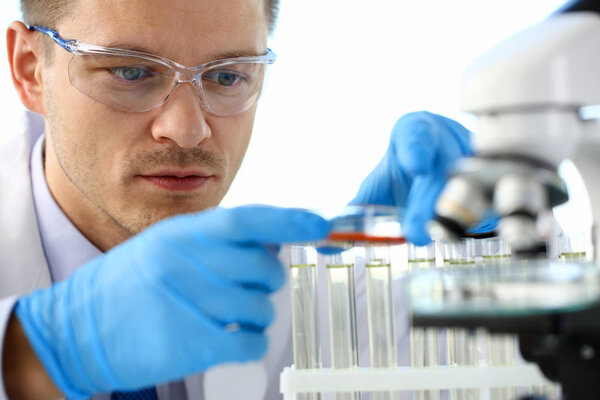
23, 263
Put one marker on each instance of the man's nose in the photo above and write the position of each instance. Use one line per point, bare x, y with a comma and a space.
182, 119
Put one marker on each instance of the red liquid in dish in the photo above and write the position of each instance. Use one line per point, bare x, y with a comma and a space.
362, 237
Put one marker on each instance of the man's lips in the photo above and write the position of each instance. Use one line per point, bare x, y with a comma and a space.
178, 180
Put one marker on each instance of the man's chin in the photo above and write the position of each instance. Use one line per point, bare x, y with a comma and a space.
152, 216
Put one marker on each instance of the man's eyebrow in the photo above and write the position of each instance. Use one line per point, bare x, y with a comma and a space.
239, 53
218, 56
128, 46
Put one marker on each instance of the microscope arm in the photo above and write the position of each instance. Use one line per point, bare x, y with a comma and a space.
587, 161
527, 91
527, 94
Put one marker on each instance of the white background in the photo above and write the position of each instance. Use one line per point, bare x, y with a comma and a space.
347, 69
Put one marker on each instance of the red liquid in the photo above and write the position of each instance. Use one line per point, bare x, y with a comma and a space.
361, 237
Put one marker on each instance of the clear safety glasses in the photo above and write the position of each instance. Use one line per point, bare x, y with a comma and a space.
135, 81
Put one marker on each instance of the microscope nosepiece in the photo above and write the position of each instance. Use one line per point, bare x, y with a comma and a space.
460, 206
516, 193
518, 199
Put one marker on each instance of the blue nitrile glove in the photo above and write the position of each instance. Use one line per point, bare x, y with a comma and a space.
414, 169
166, 303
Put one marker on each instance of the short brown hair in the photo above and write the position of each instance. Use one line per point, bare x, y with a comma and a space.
44, 12
49, 12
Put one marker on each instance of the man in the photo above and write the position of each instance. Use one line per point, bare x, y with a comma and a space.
131, 137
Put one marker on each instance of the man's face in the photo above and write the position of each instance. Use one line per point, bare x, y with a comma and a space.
137, 168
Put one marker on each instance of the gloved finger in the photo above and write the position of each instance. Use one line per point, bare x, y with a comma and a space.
461, 134
225, 264
241, 346
330, 249
251, 266
258, 224
234, 304
415, 143
422, 140
489, 223
378, 187
421, 207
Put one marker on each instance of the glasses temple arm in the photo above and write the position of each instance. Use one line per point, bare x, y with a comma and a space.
64, 43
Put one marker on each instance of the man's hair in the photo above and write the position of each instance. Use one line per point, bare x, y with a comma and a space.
49, 12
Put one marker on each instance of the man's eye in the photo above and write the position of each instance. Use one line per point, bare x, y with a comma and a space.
227, 79
224, 78
130, 73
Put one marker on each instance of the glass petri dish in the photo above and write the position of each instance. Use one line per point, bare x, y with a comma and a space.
521, 288
360, 225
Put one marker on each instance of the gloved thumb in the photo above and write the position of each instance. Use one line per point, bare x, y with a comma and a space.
257, 224
421, 207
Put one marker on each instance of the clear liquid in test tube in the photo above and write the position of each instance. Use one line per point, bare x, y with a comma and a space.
445, 249
465, 350
380, 309
305, 321
342, 315
423, 341
501, 348
573, 247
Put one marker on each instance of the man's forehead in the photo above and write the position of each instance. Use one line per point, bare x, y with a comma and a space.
213, 28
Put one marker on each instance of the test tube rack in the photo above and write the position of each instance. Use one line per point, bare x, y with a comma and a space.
483, 378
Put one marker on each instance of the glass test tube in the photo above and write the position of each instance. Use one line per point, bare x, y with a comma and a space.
462, 255
380, 310
342, 314
573, 247
305, 326
423, 341
445, 249
501, 348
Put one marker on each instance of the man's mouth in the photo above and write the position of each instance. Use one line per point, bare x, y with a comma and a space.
178, 181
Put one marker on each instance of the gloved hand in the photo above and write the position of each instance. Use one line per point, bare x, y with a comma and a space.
414, 170
165, 304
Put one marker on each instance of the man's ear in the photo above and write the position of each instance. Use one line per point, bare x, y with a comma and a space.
25, 56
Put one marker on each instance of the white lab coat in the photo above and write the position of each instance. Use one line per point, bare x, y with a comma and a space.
23, 268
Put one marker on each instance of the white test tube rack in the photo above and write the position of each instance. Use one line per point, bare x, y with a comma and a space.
483, 378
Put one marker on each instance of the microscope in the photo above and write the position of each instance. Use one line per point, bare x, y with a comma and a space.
530, 95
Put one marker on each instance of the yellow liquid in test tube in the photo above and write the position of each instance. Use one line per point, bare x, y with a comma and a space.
380, 309
342, 315
423, 341
305, 326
